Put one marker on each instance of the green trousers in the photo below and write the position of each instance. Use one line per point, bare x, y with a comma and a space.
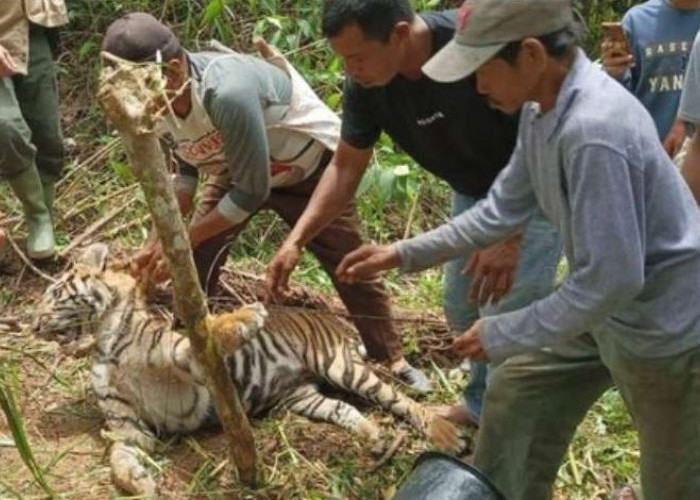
30, 133
535, 402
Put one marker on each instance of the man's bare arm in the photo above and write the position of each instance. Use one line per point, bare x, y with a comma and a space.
335, 190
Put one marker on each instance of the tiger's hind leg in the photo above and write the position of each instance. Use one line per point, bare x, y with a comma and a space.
309, 402
348, 372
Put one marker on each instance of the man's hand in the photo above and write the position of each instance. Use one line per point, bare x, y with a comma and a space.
279, 270
8, 66
148, 264
615, 58
675, 138
366, 262
493, 271
468, 345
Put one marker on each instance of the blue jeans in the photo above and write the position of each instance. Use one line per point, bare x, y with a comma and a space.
540, 253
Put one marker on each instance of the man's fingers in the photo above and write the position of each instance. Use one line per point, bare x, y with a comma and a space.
497, 289
471, 264
278, 283
351, 261
363, 269
672, 145
464, 346
490, 288
272, 281
8, 67
502, 286
478, 283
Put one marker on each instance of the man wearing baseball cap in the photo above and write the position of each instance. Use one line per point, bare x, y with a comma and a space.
589, 157
445, 129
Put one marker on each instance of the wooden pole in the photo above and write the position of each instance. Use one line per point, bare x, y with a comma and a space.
131, 96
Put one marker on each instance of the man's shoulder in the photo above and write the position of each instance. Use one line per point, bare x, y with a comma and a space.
235, 72
207, 61
440, 19
646, 11
605, 113
442, 26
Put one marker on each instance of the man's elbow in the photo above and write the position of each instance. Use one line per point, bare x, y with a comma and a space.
626, 287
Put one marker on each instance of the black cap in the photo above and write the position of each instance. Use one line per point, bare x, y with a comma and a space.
138, 36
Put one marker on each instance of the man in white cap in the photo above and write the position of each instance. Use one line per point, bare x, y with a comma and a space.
589, 157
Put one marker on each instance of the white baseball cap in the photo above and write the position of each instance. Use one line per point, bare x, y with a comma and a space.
484, 27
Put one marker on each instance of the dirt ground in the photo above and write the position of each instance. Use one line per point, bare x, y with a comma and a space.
298, 458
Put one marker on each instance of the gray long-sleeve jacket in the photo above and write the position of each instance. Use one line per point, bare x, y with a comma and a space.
237, 128
630, 226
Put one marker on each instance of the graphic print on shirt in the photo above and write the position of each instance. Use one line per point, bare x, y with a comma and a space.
205, 152
668, 62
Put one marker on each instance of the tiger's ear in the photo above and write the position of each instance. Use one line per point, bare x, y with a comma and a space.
95, 256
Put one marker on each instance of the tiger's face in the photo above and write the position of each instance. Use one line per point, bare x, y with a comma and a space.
71, 305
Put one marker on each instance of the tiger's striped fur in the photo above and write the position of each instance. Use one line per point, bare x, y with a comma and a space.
147, 382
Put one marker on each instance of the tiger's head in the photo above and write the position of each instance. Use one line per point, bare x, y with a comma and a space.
70, 307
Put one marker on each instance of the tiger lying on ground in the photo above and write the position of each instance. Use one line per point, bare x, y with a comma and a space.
147, 382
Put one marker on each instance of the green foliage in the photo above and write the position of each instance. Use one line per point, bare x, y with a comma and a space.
594, 12
8, 381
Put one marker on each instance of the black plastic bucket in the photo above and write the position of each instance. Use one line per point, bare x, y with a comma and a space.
437, 476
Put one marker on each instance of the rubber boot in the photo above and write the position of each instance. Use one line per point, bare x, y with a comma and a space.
48, 183
40, 239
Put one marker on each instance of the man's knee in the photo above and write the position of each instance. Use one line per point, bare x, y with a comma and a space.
49, 145
16, 151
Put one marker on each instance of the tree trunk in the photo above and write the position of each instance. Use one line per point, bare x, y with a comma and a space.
128, 103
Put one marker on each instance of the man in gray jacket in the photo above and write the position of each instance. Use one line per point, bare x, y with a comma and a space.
589, 157
262, 139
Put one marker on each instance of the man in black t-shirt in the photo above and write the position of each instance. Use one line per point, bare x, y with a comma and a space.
384, 44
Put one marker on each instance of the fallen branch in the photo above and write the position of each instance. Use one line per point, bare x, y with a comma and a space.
390, 452
141, 221
94, 227
26, 261
82, 207
89, 161
411, 214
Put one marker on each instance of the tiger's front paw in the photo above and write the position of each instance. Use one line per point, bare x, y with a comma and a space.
128, 473
232, 330
256, 316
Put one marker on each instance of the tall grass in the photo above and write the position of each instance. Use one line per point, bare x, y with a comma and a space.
8, 383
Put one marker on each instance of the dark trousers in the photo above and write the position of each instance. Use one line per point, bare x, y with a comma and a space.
30, 133
366, 302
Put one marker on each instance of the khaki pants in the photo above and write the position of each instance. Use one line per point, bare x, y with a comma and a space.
30, 133
535, 402
365, 301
